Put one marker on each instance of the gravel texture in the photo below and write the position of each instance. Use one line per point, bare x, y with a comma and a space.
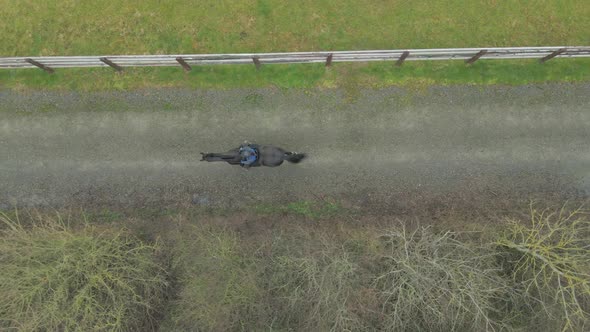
388, 149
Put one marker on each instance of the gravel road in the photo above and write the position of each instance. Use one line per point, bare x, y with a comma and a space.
387, 148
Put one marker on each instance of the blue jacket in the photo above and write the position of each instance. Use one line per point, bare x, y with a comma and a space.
249, 155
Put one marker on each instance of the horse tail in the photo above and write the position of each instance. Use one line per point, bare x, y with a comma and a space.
294, 157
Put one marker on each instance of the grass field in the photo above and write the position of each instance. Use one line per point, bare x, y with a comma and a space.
31, 28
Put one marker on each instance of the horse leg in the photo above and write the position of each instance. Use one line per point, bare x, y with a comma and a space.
230, 158
211, 157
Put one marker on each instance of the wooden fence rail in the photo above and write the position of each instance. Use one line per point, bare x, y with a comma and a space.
185, 61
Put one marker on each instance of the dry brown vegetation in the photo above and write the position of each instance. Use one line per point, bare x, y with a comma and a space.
55, 278
304, 270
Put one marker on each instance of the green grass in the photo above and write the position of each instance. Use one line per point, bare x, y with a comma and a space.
217, 282
350, 77
103, 216
32, 28
54, 278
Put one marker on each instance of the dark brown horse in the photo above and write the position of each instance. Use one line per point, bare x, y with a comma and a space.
266, 155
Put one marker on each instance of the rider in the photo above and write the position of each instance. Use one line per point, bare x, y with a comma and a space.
249, 154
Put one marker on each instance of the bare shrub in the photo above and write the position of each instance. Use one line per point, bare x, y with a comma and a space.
53, 278
312, 285
548, 258
433, 282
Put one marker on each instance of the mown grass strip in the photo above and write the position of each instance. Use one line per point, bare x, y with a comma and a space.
182, 27
347, 76
31, 28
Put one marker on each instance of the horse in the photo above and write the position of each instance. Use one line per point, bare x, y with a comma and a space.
267, 155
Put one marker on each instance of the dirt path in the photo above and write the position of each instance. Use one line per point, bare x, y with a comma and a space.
386, 147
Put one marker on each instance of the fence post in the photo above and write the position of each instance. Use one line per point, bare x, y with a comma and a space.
476, 57
40, 65
256, 62
552, 55
398, 57
112, 64
402, 58
183, 63
329, 60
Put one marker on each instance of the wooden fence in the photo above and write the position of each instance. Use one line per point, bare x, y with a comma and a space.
186, 61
